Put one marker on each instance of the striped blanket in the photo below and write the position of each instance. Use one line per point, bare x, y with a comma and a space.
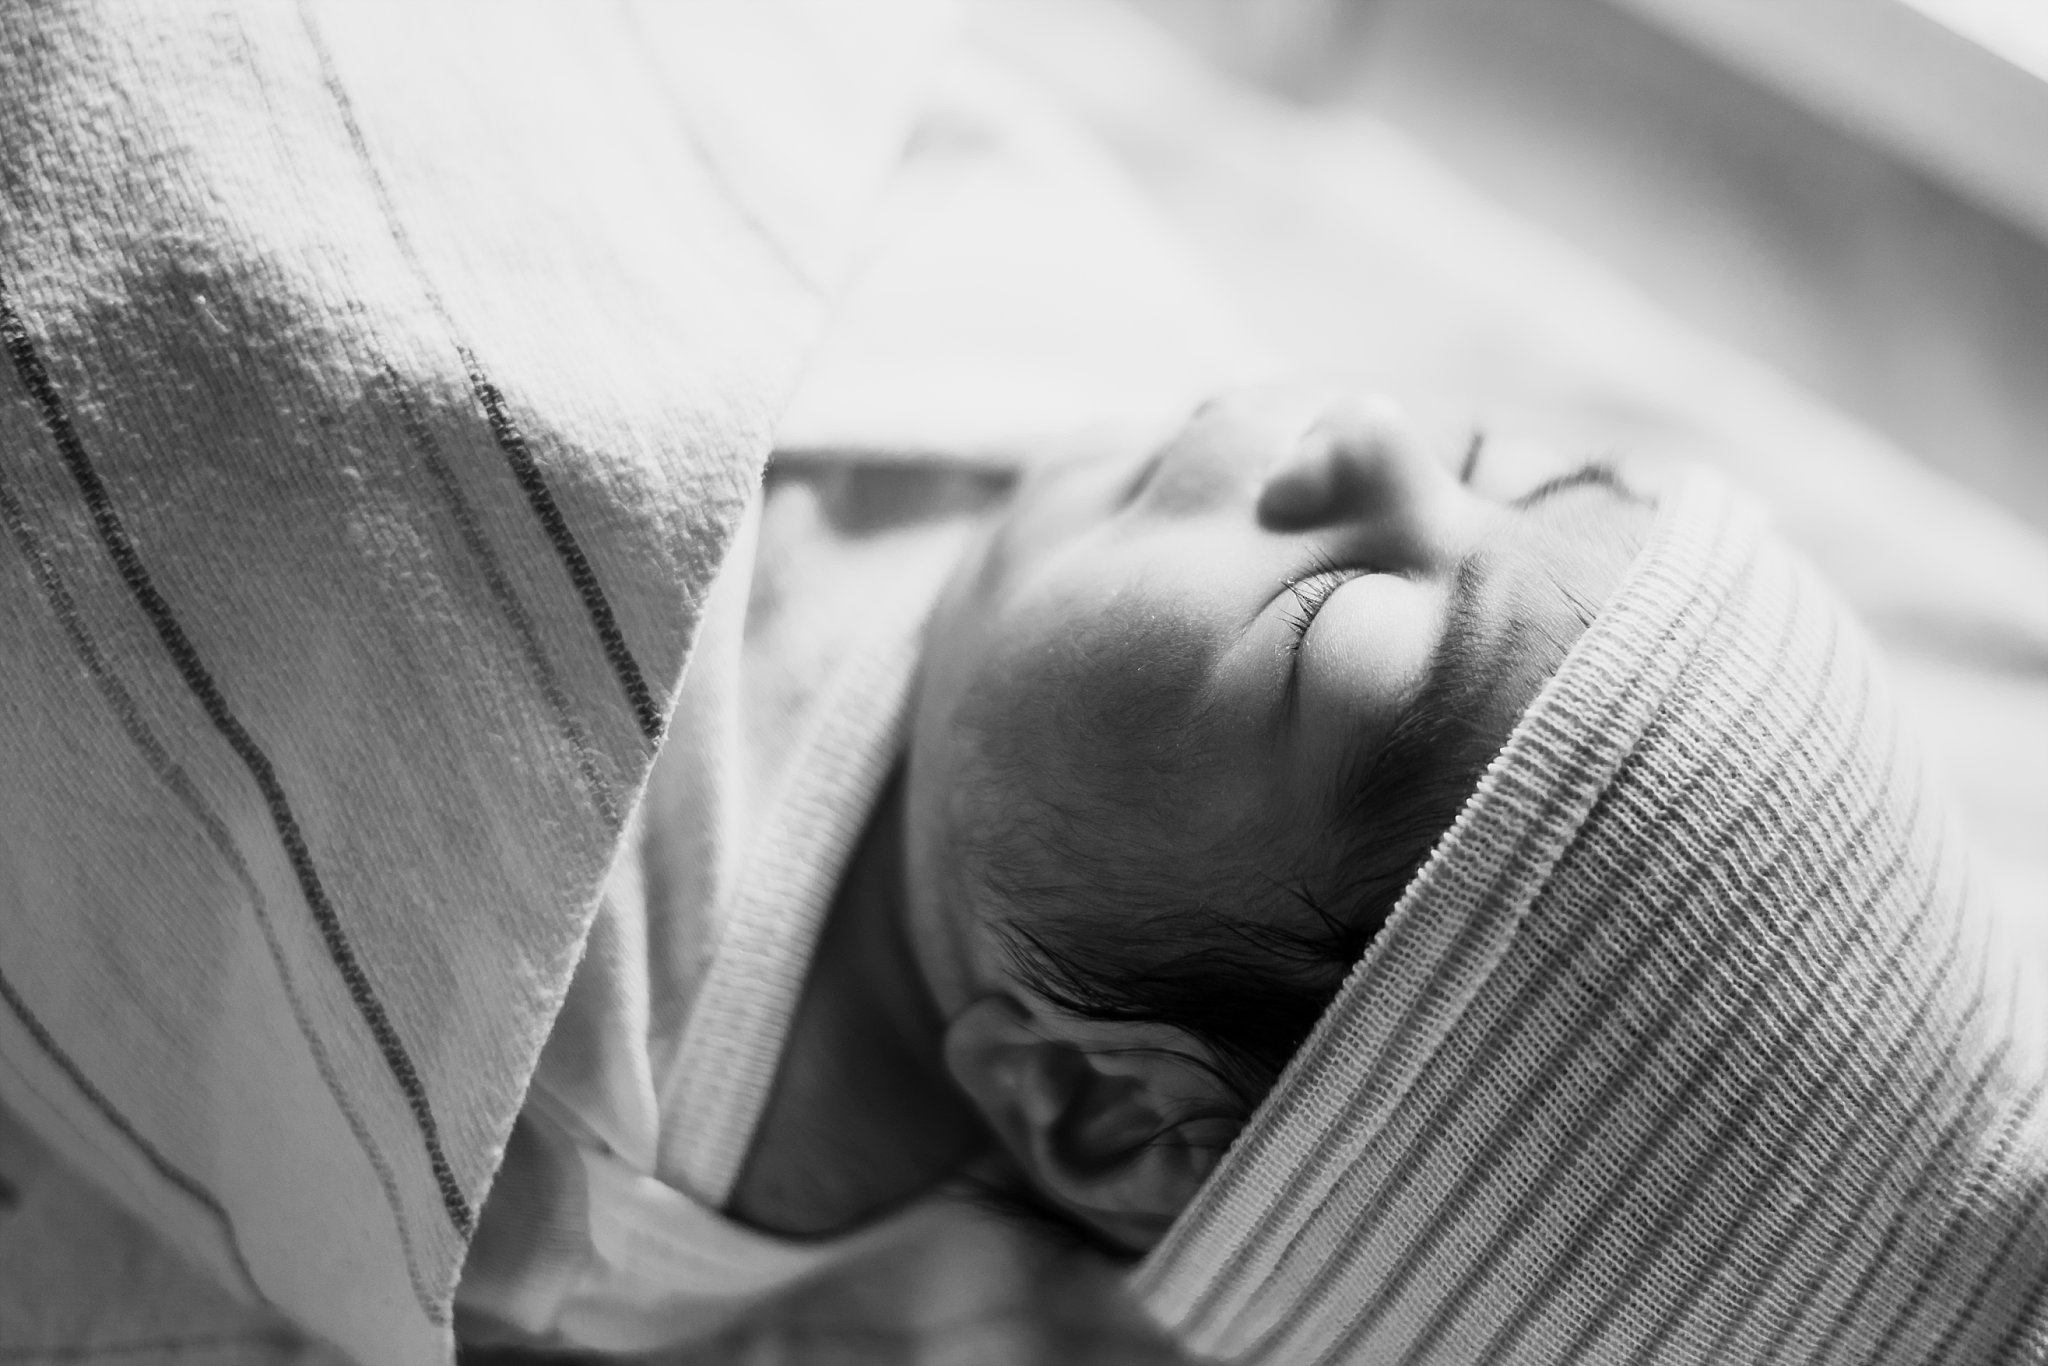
383, 383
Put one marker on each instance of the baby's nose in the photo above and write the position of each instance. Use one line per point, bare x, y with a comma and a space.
1359, 460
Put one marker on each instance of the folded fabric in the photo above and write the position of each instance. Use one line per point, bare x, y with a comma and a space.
1012, 289
383, 384
1695, 1040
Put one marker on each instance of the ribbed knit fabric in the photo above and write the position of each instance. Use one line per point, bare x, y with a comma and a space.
1693, 1041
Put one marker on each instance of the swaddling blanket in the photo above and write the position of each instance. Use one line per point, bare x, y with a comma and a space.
1694, 1040
374, 423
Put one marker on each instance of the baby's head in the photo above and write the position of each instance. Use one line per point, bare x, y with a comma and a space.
1187, 727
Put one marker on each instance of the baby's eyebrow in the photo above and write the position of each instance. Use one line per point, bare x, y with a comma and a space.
1473, 449
1597, 473
1142, 477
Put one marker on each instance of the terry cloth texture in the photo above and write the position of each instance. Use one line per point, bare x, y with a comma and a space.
1693, 1041
382, 386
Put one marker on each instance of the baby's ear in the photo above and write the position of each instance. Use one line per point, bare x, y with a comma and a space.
1117, 1123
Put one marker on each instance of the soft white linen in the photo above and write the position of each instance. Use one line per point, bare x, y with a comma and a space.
384, 383
603, 1230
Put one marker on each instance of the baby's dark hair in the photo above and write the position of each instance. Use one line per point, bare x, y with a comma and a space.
1248, 971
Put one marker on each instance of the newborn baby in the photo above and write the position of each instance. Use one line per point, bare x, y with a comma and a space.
1187, 716
1189, 724
1428, 912
1188, 721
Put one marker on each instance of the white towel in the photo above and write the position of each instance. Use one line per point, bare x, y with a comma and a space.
383, 383
1695, 1040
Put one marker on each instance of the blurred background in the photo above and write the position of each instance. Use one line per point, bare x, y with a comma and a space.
1853, 191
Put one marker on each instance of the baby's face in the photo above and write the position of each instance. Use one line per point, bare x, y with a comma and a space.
1182, 656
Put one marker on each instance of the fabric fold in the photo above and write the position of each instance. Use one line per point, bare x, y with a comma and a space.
372, 426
